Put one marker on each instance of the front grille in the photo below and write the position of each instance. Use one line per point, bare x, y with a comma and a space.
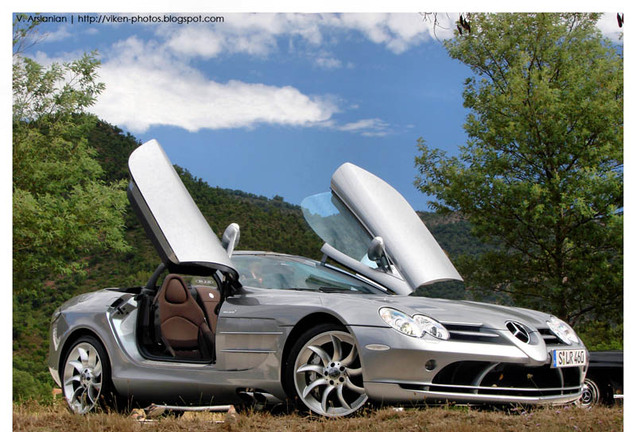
503, 379
477, 332
550, 338
467, 332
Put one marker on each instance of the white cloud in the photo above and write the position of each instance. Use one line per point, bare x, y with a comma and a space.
195, 41
397, 32
325, 61
608, 24
440, 25
150, 83
145, 86
253, 34
367, 127
257, 34
202, 43
59, 34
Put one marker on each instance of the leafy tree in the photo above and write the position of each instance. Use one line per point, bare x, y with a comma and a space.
25, 32
541, 176
62, 210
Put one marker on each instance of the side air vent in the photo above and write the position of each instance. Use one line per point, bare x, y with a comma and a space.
473, 332
519, 331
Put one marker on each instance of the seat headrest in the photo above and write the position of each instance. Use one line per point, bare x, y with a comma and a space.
176, 291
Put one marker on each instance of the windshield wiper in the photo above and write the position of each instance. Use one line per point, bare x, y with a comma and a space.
333, 289
329, 289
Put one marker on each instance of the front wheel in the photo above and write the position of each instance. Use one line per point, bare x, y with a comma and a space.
325, 373
86, 375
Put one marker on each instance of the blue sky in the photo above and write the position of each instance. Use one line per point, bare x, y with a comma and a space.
272, 104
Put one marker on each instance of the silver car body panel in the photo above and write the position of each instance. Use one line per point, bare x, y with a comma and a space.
178, 229
390, 280
382, 213
385, 213
253, 335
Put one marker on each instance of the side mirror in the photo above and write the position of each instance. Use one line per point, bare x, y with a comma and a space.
377, 254
231, 237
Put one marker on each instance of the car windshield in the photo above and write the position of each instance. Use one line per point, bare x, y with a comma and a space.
277, 272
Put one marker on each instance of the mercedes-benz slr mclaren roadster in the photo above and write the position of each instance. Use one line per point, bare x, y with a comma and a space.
214, 325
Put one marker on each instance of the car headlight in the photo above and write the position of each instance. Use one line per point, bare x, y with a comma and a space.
562, 330
415, 326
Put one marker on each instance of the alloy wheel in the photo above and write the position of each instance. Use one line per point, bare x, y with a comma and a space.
328, 374
590, 394
83, 377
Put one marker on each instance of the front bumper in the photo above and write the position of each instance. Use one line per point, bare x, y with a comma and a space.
397, 393
398, 368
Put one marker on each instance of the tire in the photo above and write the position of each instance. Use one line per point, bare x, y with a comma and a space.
591, 394
323, 372
86, 379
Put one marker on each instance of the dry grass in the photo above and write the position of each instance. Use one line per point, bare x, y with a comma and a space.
34, 417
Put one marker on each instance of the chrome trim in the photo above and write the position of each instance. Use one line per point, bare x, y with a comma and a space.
473, 333
505, 389
377, 347
462, 323
519, 331
258, 333
480, 378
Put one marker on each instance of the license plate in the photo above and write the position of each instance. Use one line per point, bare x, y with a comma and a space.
568, 358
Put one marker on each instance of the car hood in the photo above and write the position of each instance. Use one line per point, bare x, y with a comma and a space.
463, 319
183, 238
454, 311
361, 207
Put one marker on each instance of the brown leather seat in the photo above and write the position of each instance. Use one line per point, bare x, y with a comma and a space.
209, 298
182, 322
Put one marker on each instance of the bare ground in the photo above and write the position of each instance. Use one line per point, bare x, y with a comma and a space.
35, 417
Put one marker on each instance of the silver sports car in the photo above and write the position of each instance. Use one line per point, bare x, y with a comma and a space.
214, 325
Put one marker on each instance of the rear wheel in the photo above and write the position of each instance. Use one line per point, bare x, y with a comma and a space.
324, 371
86, 375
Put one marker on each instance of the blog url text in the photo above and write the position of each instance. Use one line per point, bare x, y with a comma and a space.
119, 19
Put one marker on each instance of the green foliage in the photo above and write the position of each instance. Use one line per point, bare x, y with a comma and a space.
112, 147
40, 92
64, 212
62, 209
271, 225
31, 316
28, 387
453, 233
541, 176
25, 32
601, 336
